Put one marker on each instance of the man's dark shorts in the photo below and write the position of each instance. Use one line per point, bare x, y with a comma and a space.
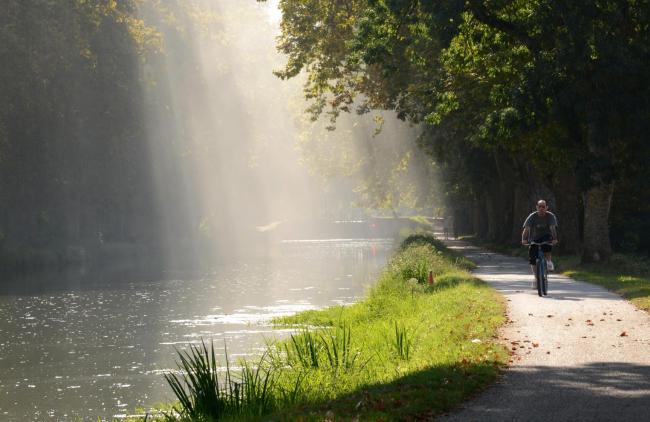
532, 250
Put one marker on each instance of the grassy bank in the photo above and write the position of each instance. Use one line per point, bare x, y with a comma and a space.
408, 351
627, 275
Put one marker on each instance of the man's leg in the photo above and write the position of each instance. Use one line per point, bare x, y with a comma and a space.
532, 257
549, 263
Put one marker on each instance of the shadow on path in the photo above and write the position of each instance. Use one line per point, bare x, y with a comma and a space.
600, 391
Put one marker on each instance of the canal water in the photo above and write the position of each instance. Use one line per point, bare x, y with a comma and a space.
78, 346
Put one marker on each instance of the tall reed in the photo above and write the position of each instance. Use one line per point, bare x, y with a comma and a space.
303, 350
401, 342
202, 396
337, 346
328, 348
196, 386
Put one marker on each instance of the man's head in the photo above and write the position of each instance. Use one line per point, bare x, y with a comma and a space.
541, 207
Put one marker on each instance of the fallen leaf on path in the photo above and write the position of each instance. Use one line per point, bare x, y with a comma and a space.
549, 316
623, 334
535, 344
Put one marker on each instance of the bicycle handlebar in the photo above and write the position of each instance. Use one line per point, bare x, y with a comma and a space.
539, 243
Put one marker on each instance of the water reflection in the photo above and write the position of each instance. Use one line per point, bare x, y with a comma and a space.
89, 345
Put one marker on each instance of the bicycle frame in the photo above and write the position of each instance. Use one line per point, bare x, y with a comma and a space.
541, 271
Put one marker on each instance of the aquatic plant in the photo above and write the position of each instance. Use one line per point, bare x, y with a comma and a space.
202, 396
401, 342
327, 348
337, 346
303, 350
196, 386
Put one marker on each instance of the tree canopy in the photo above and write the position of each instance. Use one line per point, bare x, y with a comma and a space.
522, 99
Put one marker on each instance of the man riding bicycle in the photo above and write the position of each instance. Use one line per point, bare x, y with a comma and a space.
540, 227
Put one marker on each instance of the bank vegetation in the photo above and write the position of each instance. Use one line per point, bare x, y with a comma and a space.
409, 350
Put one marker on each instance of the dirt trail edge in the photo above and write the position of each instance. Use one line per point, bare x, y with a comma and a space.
580, 354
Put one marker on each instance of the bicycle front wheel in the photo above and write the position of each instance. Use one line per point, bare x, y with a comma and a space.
544, 278
539, 277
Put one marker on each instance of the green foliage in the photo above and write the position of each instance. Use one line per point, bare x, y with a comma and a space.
428, 240
366, 354
326, 348
402, 342
69, 120
515, 93
415, 264
202, 396
446, 319
304, 350
338, 347
197, 388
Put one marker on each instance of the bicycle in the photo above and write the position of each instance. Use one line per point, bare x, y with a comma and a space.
541, 270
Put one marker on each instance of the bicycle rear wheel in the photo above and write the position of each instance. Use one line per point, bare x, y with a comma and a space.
539, 277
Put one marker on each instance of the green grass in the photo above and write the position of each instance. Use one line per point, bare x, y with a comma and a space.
625, 274
202, 395
408, 351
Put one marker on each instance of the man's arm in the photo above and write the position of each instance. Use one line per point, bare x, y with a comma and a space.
554, 234
553, 229
524, 235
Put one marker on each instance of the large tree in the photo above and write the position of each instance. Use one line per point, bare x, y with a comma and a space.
558, 87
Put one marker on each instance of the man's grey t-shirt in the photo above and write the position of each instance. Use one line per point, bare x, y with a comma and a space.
540, 226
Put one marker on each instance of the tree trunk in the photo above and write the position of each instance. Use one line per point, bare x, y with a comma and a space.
520, 208
568, 213
480, 217
492, 214
477, 217
598, 197
503, 197
597, 204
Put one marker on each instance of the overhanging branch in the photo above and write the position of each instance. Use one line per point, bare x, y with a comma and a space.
487, 17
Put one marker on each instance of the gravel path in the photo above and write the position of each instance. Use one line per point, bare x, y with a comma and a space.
580, 354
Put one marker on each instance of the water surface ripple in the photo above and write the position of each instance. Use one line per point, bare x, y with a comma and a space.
82, 346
